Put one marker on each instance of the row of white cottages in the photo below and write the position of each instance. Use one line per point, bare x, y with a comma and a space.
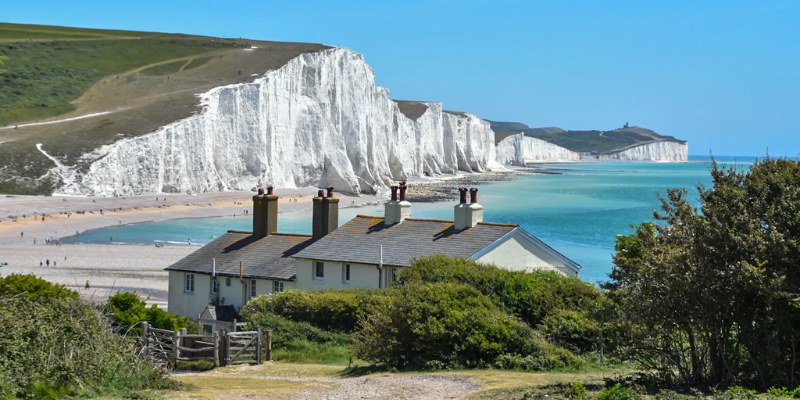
365, 252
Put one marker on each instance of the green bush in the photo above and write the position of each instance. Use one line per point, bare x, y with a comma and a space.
129, 310
333, 310
530, 296
53, 344
33, 288
616, 392
576, 390
571, 329
451, 325
286, 331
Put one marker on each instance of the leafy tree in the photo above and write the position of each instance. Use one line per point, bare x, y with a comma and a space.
710, 296
33, 288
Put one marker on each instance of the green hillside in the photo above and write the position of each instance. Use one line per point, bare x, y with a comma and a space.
93, 87
601, 142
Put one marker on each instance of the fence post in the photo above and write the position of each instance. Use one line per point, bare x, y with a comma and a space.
223, 348
216, 348
175, 344
145, 339
269, 345
259, 356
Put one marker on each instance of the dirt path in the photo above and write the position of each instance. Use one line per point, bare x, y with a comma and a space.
410, 387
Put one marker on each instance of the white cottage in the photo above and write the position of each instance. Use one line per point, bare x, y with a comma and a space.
366, 252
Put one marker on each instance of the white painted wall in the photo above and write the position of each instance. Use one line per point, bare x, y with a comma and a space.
518, 254
232, 291
184, 303
362, 276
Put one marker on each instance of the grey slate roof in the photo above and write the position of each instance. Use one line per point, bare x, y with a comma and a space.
359, 240
267, 258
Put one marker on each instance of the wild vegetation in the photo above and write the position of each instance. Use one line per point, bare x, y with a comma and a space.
128, 310
440, 318
54, 345
709, 297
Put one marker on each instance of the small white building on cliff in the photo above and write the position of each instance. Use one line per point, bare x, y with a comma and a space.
366, 252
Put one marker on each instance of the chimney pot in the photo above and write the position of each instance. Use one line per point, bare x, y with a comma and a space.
403, 189
330, 191
269, 190
260, 191
473, 195
462, 194
320, 193
394, 193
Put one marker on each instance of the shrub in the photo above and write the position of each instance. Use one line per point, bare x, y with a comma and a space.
128, 310
53, 345
530, 296
452, 325
573, 330
286, 331
616, 392
576, 390
334, 310
33, 288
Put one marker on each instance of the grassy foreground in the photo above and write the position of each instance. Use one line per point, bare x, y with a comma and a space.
279, 380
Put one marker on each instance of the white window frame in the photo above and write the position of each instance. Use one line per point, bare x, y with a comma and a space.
318, 271
346, 273
188, 283
277, 286
252, 288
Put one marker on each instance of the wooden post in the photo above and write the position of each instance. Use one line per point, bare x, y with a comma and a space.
175, 343
259, 356
223, 348
215, 335
145, 339
269, 345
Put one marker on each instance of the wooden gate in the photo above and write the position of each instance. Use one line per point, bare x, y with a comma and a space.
223, 348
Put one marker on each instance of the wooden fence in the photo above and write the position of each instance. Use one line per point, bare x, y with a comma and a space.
222, 348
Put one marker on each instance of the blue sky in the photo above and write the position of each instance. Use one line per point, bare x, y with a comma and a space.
724, 75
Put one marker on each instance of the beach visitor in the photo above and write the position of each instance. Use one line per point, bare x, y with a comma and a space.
47, 262
86, 286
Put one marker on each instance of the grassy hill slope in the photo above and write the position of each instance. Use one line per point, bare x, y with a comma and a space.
93, 87
602, 142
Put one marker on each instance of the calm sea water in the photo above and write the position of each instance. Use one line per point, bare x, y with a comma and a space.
579, 211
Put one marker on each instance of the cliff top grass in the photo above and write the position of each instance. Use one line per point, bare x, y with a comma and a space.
76, 89
585, 141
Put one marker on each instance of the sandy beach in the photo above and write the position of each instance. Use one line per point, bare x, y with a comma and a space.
108, 267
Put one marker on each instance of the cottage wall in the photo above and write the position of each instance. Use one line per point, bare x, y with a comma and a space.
518, 254
189, 304
232, 291
362, 276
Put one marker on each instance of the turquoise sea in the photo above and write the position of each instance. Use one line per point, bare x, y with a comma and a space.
578, 211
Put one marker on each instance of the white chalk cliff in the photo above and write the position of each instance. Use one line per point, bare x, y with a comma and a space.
318, 120
665, 151
519, 149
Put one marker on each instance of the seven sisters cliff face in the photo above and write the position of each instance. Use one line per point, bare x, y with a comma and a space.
319, 120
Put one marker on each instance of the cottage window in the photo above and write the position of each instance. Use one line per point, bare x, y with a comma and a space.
189, 284
207, 329
319, 270
252, 288
346, 273
277, 286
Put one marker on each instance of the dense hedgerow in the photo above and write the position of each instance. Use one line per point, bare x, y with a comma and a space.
53, 345
530, 296
451, 325
333, 310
